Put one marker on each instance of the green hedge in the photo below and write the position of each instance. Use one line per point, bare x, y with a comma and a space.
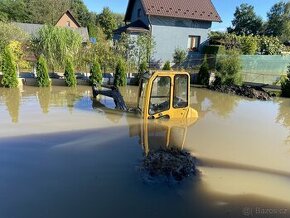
9, 69
70, 77
120, 74
96, 74
42, 72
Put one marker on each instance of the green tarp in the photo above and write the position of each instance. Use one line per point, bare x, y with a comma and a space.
265, 69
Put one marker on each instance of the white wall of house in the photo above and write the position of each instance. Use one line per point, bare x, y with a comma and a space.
171, 33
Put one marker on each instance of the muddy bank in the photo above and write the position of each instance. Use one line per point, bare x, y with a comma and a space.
245, 91
172, 164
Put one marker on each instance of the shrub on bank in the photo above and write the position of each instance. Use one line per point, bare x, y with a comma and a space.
143, 67
96, 74
70, 77
285, 84
120, 74
248, 44
179, 57
42, 72
10, 78
229, 68
203, 74
166, 66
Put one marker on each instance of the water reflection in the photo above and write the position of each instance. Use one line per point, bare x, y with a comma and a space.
54, 97
283, 116
12, 97
169, 134
100, 149
111, 114
44, 99
205, 101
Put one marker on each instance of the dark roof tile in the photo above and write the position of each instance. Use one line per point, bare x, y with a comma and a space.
188, 9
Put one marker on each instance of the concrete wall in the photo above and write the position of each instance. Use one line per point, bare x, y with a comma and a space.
54, 82
172, 33
63, 22
138, 5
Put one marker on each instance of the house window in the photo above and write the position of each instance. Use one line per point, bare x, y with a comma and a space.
139, 12
68, 23
193, 43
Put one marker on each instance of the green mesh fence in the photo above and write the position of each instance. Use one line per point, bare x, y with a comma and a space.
266, 69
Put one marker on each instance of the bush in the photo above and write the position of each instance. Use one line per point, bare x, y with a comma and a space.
211, 52
270, 45
143, 67
229, 68
249, 45
203, 74
69, 74
120, 74
96, 74
42, 72
10, 79
179, 57
166, 66
285, 84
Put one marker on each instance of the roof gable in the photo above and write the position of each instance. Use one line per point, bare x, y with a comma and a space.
187, 9
69, 14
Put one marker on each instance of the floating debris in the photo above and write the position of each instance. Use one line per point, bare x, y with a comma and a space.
169, 163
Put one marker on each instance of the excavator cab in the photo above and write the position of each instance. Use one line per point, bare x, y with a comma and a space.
162, 95
165, 95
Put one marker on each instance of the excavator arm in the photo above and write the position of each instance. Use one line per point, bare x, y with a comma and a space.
112, 92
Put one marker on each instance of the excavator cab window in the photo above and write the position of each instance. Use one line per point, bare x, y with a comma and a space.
180, 93
160, 95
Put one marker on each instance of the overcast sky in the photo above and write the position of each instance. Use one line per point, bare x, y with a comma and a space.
225, 8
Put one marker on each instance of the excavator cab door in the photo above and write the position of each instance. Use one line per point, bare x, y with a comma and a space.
167, 95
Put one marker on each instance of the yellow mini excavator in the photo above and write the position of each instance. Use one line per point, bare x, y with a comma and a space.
162, 95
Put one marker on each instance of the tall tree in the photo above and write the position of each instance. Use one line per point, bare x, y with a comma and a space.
246, 21
81, 12
119, 19
279, 20
46, 11
14, 10
107, 22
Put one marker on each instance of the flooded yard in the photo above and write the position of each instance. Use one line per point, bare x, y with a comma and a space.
64, 155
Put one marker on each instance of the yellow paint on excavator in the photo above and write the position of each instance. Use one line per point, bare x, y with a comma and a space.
166, 95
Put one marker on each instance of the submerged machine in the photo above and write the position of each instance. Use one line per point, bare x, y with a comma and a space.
164, 105
162, 95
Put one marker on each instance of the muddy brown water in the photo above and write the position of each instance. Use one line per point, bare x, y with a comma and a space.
63, 155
